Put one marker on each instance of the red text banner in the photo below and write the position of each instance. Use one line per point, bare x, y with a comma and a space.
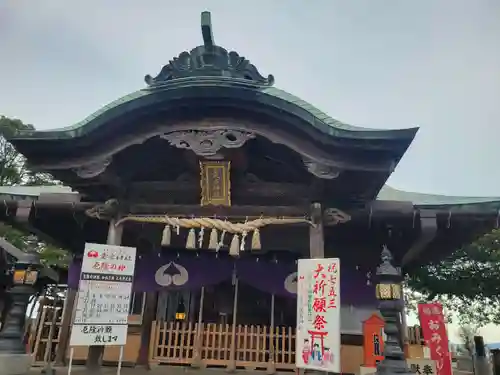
435, 335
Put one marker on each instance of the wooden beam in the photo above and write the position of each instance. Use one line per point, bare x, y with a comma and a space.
249, 210
147, 322
62, 347
260, 188
233, 211
428, 227
186, 210
242, 192
316, 235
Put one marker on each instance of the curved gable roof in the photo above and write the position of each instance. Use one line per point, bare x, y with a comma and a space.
271, 96
212, 67
209, 82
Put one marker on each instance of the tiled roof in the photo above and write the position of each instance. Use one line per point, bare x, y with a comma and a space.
419, 199
34, 191
267, 95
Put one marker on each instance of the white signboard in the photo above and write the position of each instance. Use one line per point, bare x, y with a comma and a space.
418, 366
101, 316
318, 315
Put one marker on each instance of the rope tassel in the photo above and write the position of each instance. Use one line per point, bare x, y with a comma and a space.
256, 245
166, 236
234, 248
201, 236
214, 239
191, 239
216, 225
242, 244
220, 245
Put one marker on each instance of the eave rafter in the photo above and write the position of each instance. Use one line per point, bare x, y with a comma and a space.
220, 134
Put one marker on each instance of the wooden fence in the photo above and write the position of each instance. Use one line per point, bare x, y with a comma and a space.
414, 335
212, 344
187, 343
43, 336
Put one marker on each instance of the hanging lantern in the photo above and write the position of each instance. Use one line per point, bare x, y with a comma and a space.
180, 316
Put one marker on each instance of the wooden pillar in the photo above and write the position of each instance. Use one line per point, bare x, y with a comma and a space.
199, 332
192, 307
271, 365
404, 328
316, 247
67, 317
148, 316
96, 352
232, 353
316, 236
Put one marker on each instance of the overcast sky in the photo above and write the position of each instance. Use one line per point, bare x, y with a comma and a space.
384, 64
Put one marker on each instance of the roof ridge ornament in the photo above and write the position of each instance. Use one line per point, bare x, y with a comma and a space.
206, 30
208, 60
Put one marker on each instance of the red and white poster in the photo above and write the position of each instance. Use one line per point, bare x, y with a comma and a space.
318, 315
435, 335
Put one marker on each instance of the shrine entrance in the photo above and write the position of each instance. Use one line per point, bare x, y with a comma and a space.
237, 326
213, 175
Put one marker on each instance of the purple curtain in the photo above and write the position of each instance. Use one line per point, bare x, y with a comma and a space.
278, 278
190, 271
155, 272
281, 279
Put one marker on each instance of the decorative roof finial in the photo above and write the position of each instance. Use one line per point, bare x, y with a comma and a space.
206, 30
209, 61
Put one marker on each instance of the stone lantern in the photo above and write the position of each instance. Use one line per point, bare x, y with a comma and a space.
23, 276
388, 290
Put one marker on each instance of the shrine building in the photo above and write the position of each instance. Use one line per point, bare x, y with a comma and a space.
222, 181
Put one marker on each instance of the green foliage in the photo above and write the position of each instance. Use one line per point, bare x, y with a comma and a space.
14, 171
13, 168
466, 282
54, 256
14, 236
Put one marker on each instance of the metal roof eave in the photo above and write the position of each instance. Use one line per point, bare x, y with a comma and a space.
268, 95
435, 201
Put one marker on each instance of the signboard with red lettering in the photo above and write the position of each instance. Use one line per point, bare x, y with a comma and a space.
435, 335
102, 308
318, 315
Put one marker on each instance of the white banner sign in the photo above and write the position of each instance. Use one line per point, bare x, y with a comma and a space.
318, 315
101, 316
419, 366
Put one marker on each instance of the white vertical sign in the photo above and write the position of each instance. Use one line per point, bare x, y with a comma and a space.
318, 315
101, 316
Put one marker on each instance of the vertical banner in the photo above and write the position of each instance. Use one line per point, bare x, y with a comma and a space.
318, 315
101, 316
435, 336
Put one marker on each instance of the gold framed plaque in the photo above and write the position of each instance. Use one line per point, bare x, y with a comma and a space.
215, 183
